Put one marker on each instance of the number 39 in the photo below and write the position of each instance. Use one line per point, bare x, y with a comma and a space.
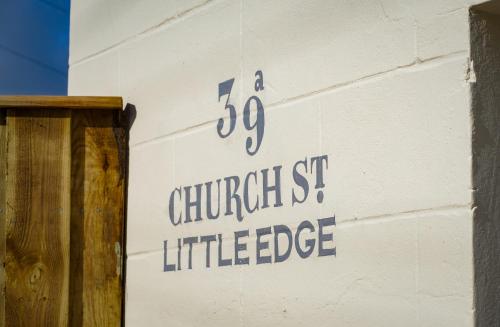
259, 122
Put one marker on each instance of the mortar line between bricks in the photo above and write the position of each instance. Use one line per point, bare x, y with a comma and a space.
145, 253
242, 64
417, 64
342, 224
144, 33
404, 215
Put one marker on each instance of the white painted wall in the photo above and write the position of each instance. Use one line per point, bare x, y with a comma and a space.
381, 87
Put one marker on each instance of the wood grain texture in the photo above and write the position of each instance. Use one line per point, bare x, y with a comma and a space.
98, 184
3, 163
54, 102
38, 217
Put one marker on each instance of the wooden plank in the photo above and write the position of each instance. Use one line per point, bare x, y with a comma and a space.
54, 102
491, 7
38, 217
3, 162
97, 195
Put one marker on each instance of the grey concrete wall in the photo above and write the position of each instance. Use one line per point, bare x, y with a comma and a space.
485, 55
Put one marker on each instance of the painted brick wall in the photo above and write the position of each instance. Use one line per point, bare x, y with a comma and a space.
381, 87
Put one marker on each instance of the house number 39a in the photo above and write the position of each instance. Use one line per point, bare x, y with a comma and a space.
256, 124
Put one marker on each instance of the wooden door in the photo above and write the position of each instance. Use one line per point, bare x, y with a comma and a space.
63, 166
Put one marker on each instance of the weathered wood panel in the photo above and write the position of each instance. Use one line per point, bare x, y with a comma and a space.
62, 230
98, 184
3, 162
38, 217
86, 103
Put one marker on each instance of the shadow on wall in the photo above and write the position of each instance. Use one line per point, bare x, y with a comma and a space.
34, 40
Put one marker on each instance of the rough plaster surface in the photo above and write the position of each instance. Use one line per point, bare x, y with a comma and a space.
382, 87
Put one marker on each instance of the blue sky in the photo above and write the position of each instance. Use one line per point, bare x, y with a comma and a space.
34, 42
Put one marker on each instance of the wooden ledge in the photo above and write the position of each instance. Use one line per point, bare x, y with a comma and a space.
63, 102
492, 7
